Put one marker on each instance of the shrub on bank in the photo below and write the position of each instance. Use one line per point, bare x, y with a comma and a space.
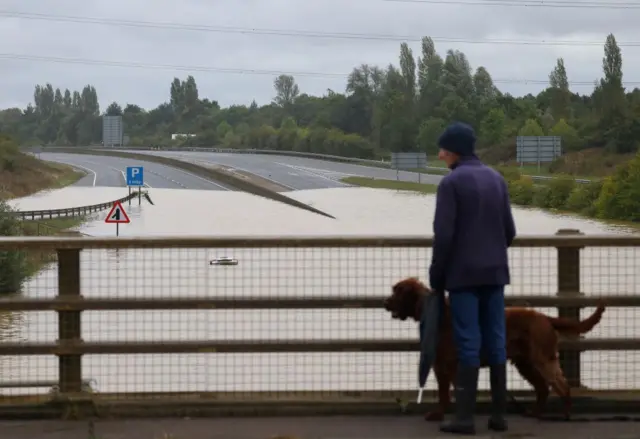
619, 198
521, 190
541, 197
557, 192
583, 198
509, 173
13, 264
615, 198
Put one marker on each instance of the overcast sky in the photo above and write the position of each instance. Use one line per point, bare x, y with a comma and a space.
146, 46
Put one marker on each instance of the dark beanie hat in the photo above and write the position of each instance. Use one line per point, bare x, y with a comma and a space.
458, 138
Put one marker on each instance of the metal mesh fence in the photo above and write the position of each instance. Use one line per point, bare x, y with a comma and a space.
344, 272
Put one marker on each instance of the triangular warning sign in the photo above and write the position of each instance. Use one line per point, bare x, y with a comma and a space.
117, 215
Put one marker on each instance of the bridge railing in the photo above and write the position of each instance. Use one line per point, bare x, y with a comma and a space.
281, 321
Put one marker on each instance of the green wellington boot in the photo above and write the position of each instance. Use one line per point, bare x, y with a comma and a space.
466, 389
497, 421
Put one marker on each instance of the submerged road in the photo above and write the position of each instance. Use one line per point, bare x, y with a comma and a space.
110, 172
296, 173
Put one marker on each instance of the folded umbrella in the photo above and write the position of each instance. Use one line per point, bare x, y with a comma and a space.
430, 316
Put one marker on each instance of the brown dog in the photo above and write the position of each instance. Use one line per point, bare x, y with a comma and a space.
532, 345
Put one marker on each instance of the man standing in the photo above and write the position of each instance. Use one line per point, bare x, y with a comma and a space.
473, 227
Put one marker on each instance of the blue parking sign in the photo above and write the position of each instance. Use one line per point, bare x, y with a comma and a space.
135, 176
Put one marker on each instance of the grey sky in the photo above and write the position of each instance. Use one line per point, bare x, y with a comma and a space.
149, 87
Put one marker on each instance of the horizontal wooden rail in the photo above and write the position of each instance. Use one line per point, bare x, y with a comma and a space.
163, 242
265, 346
275, 302
38, 383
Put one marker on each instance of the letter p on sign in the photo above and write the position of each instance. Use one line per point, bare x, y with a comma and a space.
135, 176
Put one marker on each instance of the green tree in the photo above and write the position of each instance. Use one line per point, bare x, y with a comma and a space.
561, 95
531, 128
223, 129
114, 109
569, 135
492, 129
398, 107
428, 135
286, 90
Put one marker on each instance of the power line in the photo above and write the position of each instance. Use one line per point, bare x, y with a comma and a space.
292, 32
530, 3
236, 71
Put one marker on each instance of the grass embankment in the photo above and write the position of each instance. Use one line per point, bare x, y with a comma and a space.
50, 227
588, 164
437, 167
22, 174
391, 184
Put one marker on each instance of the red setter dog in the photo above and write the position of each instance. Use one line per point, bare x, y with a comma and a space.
532, 345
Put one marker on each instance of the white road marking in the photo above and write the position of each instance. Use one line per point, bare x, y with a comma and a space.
110, 167
203, 179
189, 174
316, 174
252, 173
84, 168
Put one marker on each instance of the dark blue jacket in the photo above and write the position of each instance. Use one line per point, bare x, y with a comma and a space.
473, 227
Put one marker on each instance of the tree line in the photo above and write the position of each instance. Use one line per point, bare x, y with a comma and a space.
400, 107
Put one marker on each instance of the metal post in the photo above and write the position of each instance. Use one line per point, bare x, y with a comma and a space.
139, 195
569, 286
538, 152
69, 322
129, 195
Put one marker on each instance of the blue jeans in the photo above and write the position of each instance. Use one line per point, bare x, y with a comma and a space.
479, 327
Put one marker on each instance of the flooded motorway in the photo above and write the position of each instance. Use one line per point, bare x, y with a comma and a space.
294, 272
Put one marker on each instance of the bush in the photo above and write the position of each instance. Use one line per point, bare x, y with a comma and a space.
559, 191
509, 173
13, 264
619, 198
521, 191
583, 198
542, 197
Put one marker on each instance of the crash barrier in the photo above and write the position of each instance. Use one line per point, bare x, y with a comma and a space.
168, 326
70, 211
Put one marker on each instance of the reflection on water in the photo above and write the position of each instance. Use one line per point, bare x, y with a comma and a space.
271, 272
72, 196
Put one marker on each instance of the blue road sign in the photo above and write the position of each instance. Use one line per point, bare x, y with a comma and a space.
135, 176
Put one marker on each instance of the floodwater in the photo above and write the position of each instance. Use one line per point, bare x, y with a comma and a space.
68, 197
293, 272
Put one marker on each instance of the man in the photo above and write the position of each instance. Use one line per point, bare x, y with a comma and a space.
473, 227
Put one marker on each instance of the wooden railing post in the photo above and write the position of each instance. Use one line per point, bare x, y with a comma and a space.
69, 328
569, 286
